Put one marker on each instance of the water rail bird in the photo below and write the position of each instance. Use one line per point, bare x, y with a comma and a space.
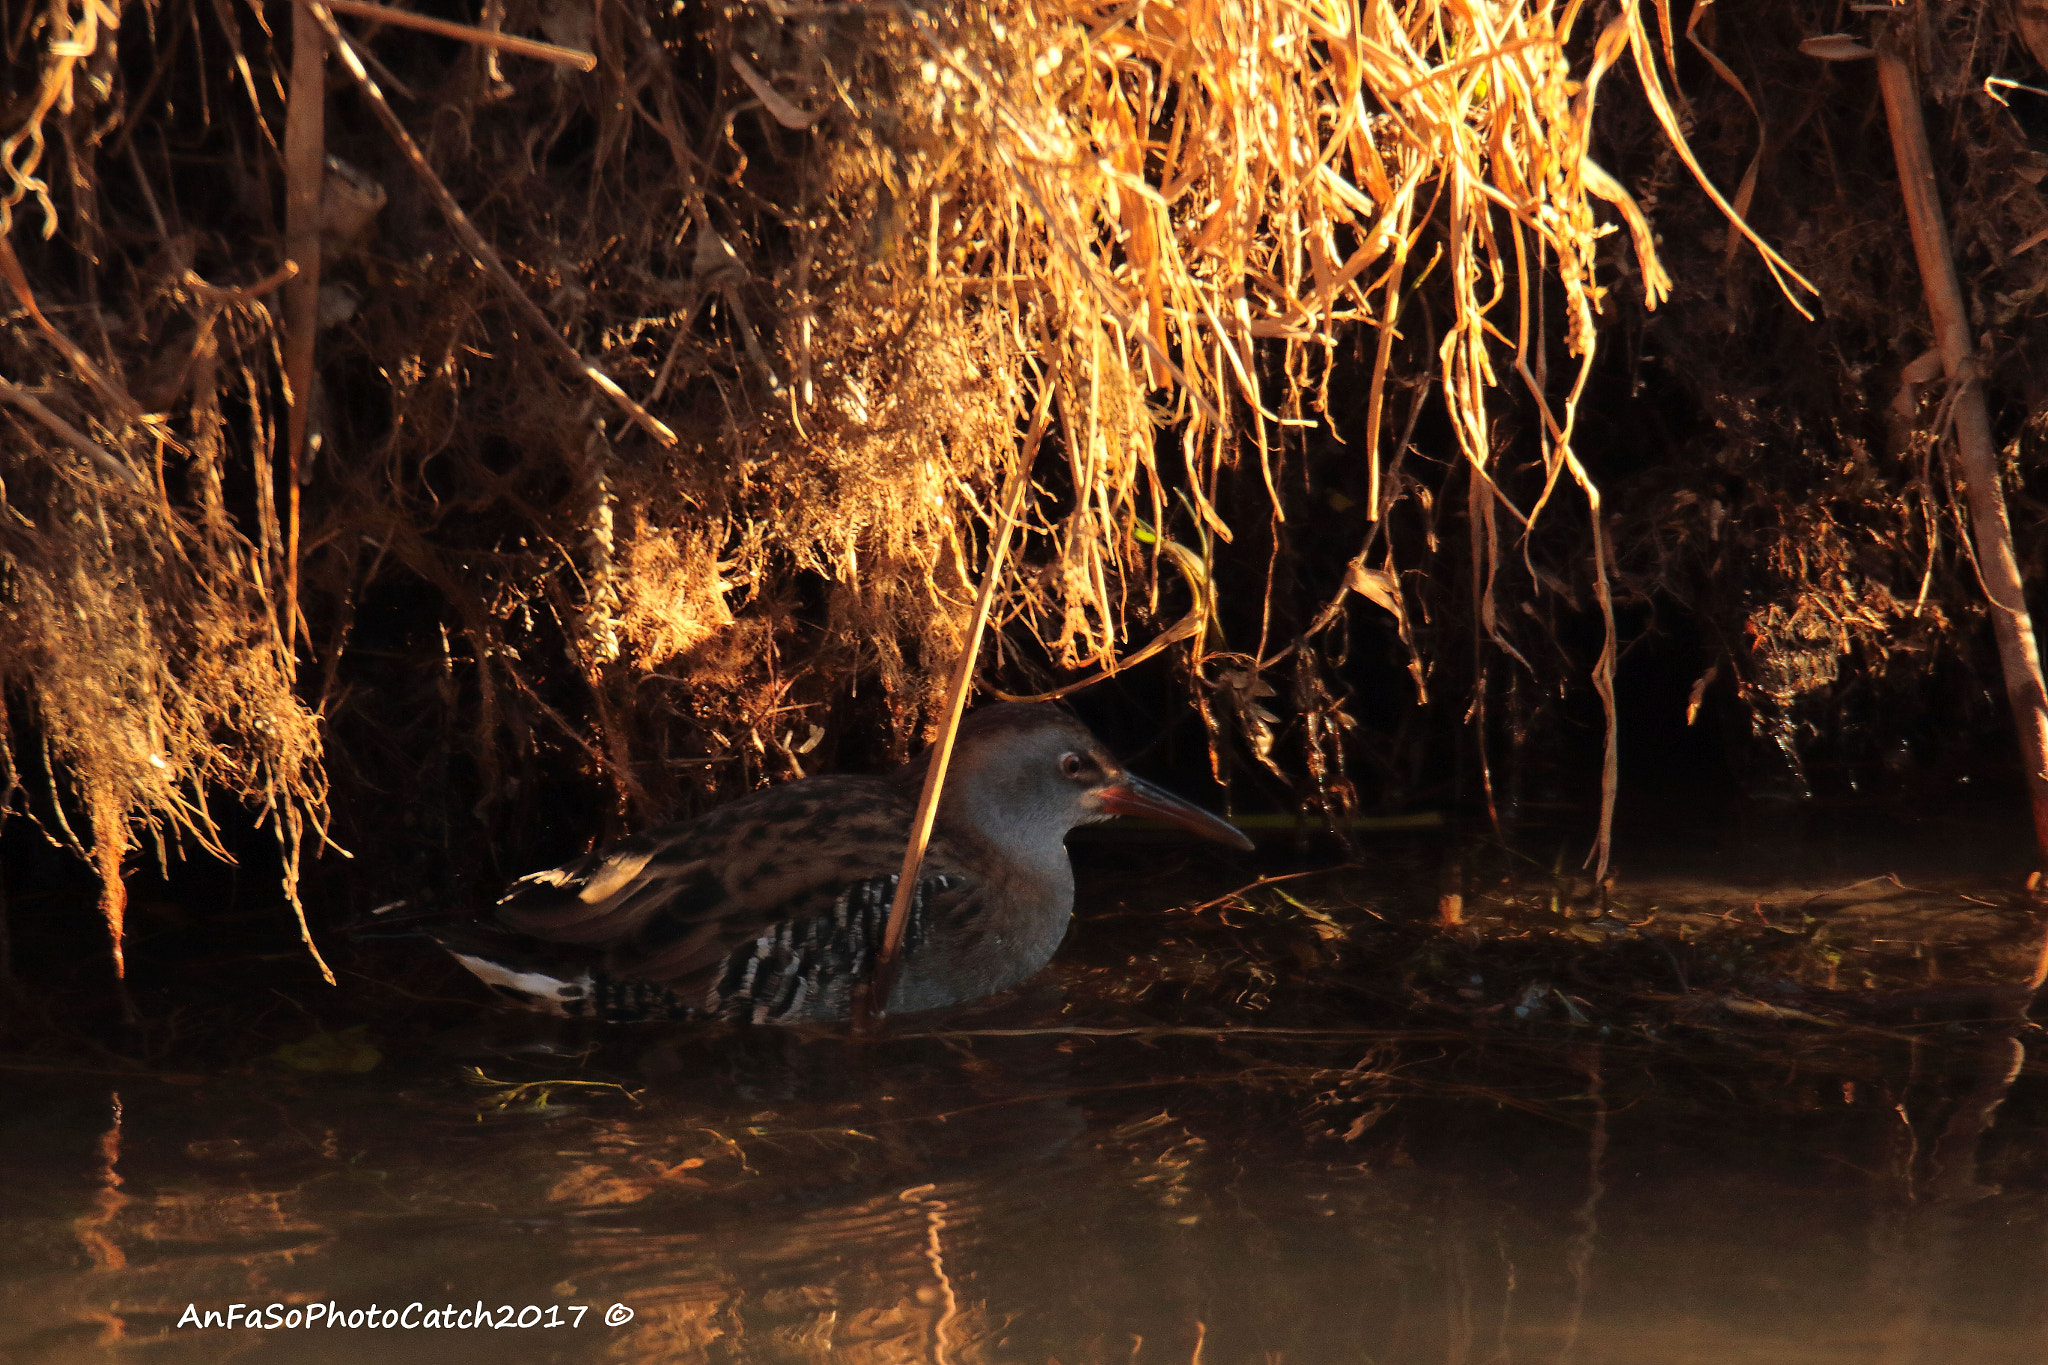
771, 909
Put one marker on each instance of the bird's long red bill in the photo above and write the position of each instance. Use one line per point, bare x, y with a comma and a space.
1130, 795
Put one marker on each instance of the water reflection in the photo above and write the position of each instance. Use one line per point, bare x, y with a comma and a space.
1045, 1198
1187, 1144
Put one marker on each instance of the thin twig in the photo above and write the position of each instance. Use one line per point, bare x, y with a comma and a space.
480, 250
235, 295
76, 439
874, 1002
117, 397
465, 33
1976, 451
305, 163
1266, 881
1186, 628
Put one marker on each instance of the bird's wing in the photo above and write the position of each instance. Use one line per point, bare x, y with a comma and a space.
804, 868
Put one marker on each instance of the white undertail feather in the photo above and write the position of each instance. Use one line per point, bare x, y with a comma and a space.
543, 992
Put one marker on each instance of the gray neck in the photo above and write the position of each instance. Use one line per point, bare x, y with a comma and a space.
1031, 836
1028, 897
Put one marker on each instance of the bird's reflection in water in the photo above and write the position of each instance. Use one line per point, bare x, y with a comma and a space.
840, 1199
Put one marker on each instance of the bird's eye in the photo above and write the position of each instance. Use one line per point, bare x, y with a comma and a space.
1070, 764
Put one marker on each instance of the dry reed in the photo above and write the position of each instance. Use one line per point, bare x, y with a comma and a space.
827, 246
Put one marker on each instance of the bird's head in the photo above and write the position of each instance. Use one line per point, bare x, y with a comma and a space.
1029, 771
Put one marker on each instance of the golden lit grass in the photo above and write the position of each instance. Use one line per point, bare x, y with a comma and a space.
836, 249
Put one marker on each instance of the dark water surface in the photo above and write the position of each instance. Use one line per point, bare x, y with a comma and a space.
1365, 1181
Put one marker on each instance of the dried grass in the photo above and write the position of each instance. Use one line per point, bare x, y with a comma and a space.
714, 429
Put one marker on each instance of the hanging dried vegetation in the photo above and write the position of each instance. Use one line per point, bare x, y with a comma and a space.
679, 391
